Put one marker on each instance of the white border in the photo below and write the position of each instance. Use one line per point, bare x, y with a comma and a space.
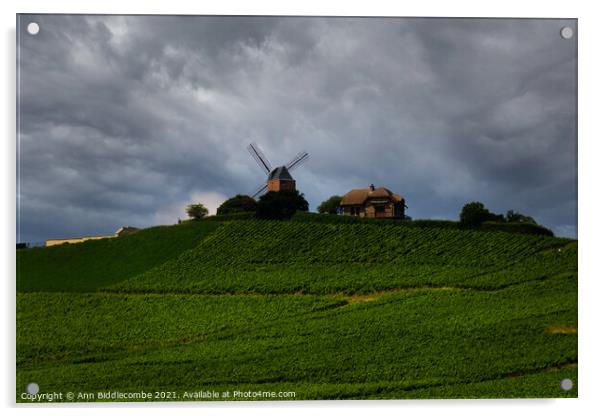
590, 34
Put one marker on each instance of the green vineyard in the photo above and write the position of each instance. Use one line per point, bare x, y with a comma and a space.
289, 257
324, 310
96, 263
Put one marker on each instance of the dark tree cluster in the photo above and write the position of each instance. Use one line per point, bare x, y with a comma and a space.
331, 205
239, 203
474, 214
281, 205
516, 217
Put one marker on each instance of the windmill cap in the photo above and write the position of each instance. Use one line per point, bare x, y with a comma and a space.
281, 173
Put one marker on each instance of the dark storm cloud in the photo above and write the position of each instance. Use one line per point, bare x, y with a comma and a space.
124, 120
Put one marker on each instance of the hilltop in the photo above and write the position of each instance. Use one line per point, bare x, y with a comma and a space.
288, 257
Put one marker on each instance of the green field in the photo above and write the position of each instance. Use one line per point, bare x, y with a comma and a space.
324, 310
93, 264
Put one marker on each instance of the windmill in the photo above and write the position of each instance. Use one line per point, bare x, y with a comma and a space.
279, 179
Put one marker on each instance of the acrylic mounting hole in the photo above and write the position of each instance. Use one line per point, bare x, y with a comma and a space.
566, 384
32, 388
566, 32
33, 28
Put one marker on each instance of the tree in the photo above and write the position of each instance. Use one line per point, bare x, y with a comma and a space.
331, 205
281, 205
239, 203
196, 211
514, 216
474, 214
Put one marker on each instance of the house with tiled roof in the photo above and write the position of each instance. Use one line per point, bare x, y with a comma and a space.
373, 202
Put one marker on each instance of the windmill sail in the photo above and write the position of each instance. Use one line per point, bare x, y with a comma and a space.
297, 161
260, 190
259, 157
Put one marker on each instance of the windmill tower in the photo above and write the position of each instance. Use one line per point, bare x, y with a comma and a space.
279, 179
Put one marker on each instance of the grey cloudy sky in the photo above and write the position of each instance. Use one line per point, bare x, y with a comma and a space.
124, 120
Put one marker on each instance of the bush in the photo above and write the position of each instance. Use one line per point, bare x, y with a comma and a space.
196, 211
239, 203
281, 205
474, 214
348, 219
454, 225
517, 217
331, 205
517, 227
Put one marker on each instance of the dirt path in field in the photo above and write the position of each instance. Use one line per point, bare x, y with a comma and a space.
369, 297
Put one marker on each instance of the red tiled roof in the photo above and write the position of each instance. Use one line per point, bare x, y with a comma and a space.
359, 196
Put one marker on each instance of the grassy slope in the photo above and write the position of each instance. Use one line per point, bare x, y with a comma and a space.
93, 264
272, 257
456, 314
87, 326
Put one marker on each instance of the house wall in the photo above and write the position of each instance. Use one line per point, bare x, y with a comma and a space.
369, 210
76, 240
348, 208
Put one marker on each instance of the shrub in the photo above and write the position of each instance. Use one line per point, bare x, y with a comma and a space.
517, 227
196, 211
331, 205
348, 219
281, 205
474, 214
239, 203
517, 217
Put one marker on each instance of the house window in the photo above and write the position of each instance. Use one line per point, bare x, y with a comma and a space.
355, 211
